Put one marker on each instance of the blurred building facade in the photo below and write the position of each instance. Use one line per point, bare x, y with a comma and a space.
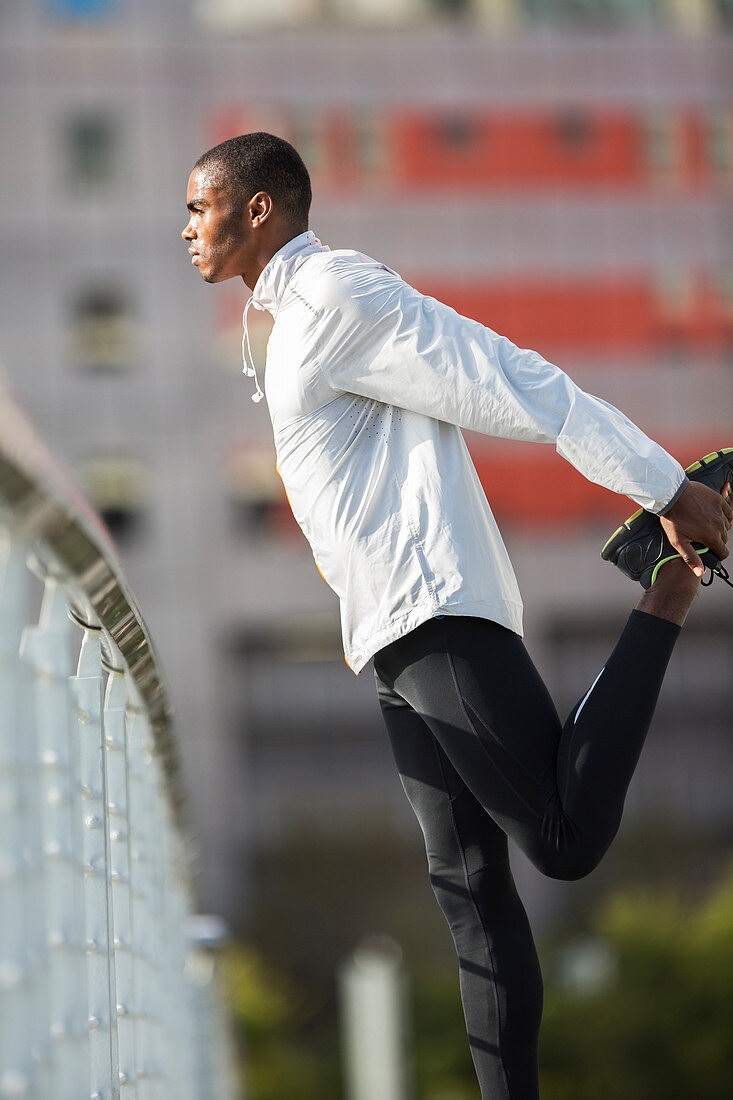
562, 170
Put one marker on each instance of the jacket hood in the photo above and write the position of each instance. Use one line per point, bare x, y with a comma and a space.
271, 284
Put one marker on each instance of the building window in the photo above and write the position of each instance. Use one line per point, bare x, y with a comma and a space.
225, 16
677, 303
306, 134
379, 13
593, 13
719, 133
457, 132
724, 286
80, 9
451, 7
118, 488
104, 334
259, 505
675, 292
663, 145
725, 13
370, 140
574, 130
92, 152
689, 16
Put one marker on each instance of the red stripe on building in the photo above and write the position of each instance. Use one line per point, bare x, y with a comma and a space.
592, 313
530, 486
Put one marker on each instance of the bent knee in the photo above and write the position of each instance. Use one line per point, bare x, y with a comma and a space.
571, 864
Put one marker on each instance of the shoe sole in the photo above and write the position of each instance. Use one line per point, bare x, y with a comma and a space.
634, 525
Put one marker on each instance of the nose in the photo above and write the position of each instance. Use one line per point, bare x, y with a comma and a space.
189, 233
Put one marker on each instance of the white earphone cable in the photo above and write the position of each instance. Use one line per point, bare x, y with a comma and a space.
248, 363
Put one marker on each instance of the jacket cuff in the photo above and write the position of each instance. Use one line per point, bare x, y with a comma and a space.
670, 503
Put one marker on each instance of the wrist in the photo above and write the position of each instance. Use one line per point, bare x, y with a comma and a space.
671, 503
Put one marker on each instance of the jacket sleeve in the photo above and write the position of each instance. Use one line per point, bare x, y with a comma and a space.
386, 341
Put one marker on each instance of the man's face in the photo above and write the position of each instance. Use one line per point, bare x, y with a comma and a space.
221, 241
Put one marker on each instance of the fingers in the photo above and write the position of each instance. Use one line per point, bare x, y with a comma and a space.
689, 556
718, 526
718, 538
704, 517
720, 550
728, 518
718, 545
727, 509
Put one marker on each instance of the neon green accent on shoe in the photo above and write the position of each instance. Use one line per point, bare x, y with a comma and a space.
706, 458
639, 548
613, 536
621, 530
659, 565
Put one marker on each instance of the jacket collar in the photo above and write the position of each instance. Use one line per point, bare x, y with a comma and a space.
271, 284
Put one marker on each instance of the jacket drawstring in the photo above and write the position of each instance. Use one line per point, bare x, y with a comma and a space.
248, 363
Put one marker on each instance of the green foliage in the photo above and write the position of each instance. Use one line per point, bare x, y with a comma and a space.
443, 1066
270, 1015
663, 1026
656, 1023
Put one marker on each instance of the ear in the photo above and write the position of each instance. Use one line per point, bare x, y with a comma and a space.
259, 209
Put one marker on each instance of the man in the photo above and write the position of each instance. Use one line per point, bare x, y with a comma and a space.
368, 384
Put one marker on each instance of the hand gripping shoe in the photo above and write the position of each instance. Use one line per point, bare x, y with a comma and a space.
639, 548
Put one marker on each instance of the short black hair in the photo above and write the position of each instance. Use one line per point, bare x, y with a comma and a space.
262, 162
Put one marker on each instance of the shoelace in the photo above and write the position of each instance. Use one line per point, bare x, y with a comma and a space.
719, 571
248, 363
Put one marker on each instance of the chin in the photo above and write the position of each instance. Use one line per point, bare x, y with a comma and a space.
210, 275
213, 276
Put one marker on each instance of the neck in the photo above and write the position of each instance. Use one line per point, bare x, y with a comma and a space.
273, 280
279, 237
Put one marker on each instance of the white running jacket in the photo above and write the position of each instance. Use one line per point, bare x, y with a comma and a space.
368, 384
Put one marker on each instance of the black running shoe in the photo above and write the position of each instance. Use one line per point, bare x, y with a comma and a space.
639, 548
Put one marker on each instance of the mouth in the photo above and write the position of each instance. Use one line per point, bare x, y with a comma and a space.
194, 255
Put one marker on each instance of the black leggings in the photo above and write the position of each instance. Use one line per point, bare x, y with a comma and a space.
482, 755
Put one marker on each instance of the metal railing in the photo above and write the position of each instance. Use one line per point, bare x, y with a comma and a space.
106, 990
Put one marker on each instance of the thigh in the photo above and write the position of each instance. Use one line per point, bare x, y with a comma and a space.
468, 862
434, 789
474, 685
